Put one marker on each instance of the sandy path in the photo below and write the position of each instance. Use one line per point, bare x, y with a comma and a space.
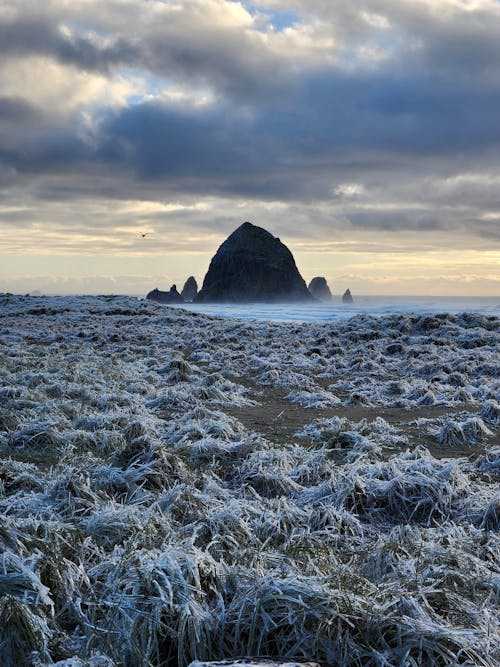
278, 419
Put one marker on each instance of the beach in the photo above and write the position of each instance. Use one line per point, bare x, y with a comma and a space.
178, 486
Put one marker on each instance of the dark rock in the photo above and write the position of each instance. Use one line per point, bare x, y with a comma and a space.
190, 289
253, 266
172, 296
347, 296
319, 289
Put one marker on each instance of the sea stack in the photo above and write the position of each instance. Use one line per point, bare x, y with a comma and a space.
253, 266
319, 289
172, 296
190, 289
347, 296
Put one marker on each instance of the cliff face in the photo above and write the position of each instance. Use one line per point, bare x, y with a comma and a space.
319, 289
253, 266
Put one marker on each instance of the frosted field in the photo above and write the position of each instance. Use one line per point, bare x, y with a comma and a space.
176, 486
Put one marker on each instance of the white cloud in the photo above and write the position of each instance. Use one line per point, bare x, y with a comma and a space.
60, 89
348, 189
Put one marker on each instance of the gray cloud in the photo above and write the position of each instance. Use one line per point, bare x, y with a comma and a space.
186, 45
17, 110
32, 35
396, 97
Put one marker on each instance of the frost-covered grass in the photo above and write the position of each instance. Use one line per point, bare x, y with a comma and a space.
142, 525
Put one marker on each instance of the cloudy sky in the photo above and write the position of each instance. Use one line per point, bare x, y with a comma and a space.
365, 134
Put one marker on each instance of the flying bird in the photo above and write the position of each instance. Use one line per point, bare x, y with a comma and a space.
145, 234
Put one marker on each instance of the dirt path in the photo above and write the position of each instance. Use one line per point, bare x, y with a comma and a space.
278, 419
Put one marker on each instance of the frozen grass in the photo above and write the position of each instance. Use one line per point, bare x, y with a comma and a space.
140, 525
491, 412
453, 433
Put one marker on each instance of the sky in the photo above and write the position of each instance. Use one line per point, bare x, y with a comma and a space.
365, 135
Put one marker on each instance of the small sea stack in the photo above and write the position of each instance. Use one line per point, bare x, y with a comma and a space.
190, 289
319, 289
347, 296
172, 296
253, 266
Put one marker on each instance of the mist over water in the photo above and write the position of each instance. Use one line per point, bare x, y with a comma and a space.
363, 305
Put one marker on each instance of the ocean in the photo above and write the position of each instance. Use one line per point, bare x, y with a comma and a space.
366, 305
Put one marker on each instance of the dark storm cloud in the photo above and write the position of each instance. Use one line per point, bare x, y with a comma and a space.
50, 153
15, 109
203, 150
396, 113
42, 36
358, 116
281, 150
394, 220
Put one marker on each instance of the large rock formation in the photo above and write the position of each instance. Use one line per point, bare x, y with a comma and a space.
319, 289
172, 296
253, 266
347, 296
190, 289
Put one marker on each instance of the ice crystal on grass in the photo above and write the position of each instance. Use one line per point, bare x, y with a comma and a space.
313, 398
37, 435
23, 632
490, 461
491, 412
467, 433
